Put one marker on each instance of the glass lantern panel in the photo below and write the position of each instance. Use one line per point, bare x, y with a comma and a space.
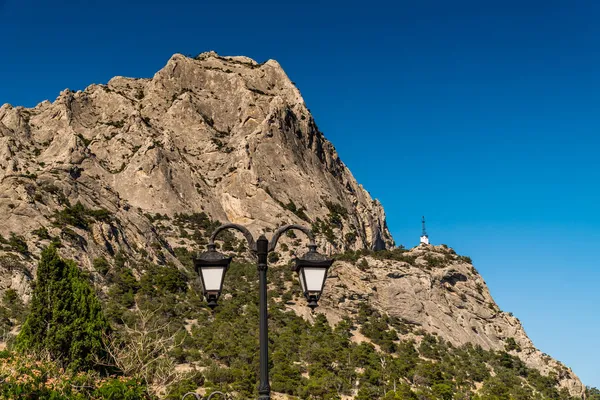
212, 276
302, 285
314, 278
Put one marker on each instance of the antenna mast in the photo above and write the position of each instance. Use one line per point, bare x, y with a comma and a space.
424, 237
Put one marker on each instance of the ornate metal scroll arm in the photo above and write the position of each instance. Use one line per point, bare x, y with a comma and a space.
198, 397
285, 228
213, 393
240, 228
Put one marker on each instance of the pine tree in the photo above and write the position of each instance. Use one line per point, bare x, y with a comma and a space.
65, 319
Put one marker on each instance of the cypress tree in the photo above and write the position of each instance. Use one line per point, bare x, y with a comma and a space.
65, 318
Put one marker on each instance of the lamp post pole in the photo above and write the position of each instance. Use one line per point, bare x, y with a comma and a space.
312, 270
262, 250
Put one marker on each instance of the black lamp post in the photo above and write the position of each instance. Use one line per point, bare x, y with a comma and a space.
312, 270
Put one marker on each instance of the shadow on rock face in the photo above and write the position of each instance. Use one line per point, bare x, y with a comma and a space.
452, 277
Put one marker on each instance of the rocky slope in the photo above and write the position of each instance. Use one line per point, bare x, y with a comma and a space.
129, 167
431, 288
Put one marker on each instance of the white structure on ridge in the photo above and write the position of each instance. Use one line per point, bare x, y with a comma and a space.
424, 237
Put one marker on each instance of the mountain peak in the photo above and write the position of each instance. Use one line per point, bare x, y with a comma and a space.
222, 135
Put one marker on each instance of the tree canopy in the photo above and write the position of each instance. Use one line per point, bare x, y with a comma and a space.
65, 319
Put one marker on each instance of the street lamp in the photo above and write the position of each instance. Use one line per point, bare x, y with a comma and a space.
211, 266
312, 270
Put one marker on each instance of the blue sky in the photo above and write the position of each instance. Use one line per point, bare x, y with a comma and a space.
482, 117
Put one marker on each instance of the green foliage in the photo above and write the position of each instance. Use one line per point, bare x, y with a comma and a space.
592, 393
324, 228
10, 297
79, 216
273, 257
337, 209
196, 221
185, 257
199, 224
190, 384
511, 344
13, 304
74, 216
41, 233
65, 319
162, 279
117, 389
157, 217
349, 255
291, 234
298, 211
18, 244
101, 265
363, 264
435, 262
397, 254
378, 328
316, 360
350, 237
479, 287
123, 287
11, 312
86, 142
465, 259
402, 392
442, 391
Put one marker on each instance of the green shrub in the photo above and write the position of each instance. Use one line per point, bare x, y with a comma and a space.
273, 257
363, 264
350, 237
101, 265
18, 244
79, 216
511, 344
162, 279
41, 233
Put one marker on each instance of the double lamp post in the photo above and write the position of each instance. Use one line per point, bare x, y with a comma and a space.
311, 268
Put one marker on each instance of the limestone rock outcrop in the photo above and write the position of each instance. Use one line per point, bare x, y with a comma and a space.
221, 135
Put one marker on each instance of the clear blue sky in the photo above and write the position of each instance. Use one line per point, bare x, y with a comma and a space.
483, 116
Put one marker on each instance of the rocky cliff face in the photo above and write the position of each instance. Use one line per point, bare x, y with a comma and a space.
223, 135
220, 135
108, 170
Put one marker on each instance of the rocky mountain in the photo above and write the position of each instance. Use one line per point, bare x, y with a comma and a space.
136, 173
